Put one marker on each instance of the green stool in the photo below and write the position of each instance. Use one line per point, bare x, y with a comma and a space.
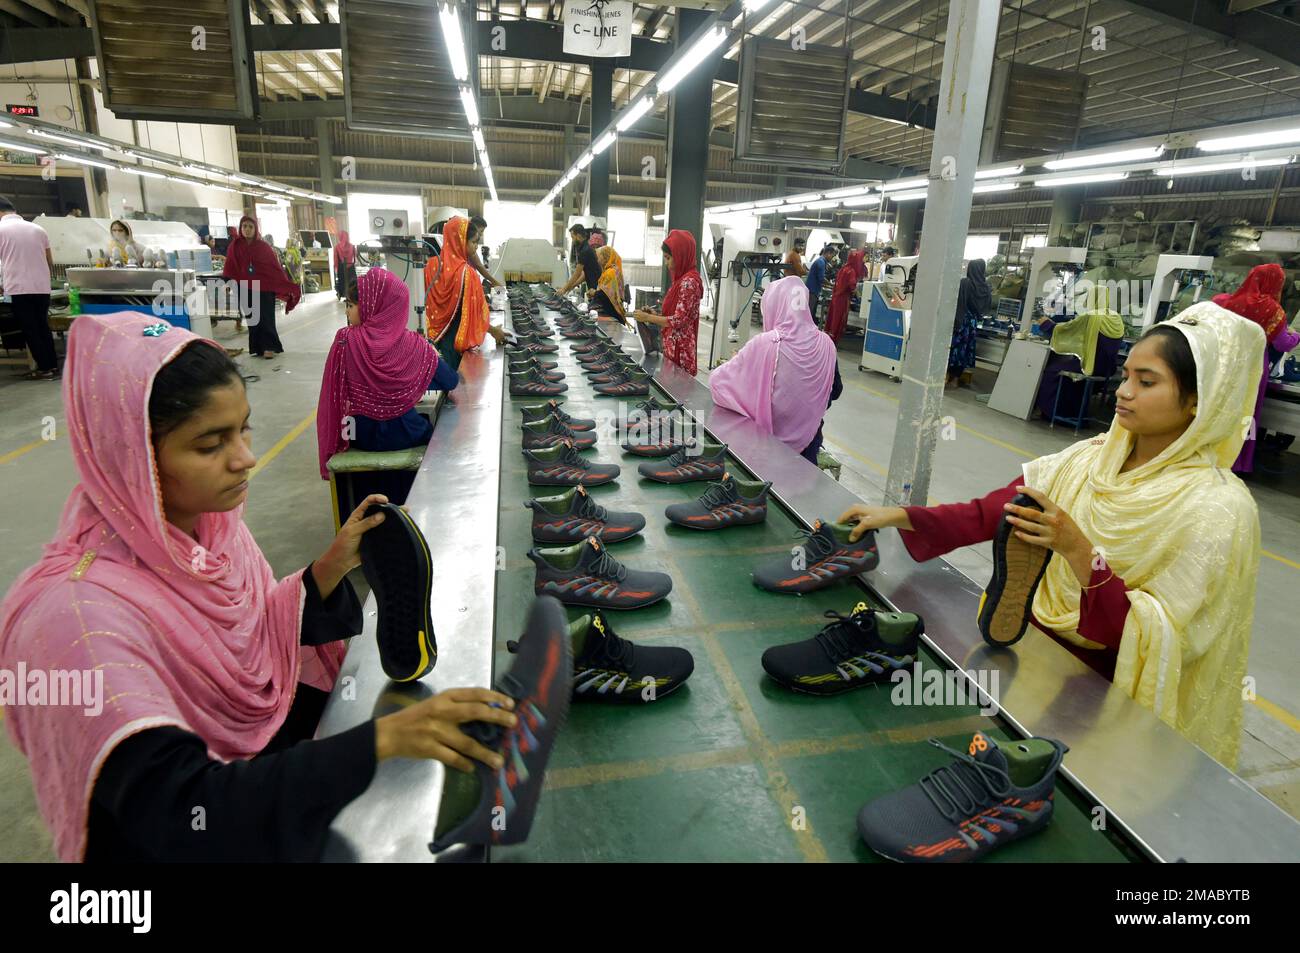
355, 474
828, 463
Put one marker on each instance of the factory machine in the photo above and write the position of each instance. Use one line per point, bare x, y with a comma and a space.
744, 259
885, 326
529, 259
404, 253
1051, 272
1174, 273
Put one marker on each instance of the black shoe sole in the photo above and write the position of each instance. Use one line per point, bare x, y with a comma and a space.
1006, 607
396, 563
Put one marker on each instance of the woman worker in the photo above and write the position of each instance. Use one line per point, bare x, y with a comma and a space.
607, 296
124, 248
1257, 300
974, 299
376, 372
214, 674
784, 378
256, 267
680, 322
345, 266
846, 282
1154, 542
455, 306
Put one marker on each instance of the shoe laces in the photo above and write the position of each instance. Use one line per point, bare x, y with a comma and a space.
591, 509
573, 458
614, 650
608, 567
833, 638
962, 788
717, 494
816, 543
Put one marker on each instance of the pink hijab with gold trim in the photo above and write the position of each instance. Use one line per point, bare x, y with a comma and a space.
192, 633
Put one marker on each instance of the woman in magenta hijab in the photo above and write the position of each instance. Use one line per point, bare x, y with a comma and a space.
846, 282
785, 378
204, 675
376, 372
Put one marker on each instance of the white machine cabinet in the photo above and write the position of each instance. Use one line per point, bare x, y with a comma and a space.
1017, 383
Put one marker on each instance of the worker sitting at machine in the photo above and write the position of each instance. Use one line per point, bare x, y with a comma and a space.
455, 306
1149, 545
376, 372
124, 249
1085, 338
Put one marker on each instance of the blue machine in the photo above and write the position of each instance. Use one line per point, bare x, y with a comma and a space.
885, 339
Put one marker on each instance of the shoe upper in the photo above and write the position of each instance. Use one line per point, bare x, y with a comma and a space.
847, 652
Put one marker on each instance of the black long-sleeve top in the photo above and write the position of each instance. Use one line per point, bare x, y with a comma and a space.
157, 786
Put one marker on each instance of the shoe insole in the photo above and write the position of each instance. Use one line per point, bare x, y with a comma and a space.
396, 563
1006, 610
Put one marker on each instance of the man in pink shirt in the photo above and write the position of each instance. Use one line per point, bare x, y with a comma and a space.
25, 264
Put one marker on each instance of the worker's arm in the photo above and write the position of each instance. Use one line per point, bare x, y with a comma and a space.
478, 266
574, 280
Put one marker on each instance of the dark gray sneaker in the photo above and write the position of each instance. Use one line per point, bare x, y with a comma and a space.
729, 502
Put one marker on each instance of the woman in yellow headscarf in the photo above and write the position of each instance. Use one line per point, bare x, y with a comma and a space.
607, 296
1088, 342
1154, 541
455, 306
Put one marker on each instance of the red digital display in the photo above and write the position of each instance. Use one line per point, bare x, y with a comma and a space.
16, 110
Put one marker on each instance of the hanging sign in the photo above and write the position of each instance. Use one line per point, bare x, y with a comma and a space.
598, 27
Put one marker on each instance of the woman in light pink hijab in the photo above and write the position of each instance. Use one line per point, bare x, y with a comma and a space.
192, 658
785, 378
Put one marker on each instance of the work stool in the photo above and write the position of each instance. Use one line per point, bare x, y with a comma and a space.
355, 474
1085, 402
828, 463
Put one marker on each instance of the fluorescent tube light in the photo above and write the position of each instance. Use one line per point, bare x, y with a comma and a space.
851, 190
997, 187
908, 196
999, 172
604, 142
1277, 137
83, 161
904, 184
694, 55
1080, 179
1208, 167
471, 107
455, 42
1106, 158
631, 116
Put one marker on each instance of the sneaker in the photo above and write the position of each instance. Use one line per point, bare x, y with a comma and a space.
587, 575
632, 383
683, 467
580, 332
729, 502
573, 516
609, 362
989, 796
600, 354
590, 346
505, 799
825, 556
535, 412
523, 368
396, 563
549, 432
532, 344
532, 384
1007, 604
865, 647
614, 671
614, 374
523, 363
562, 465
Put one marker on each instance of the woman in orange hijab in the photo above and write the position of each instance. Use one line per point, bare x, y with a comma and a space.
455, 307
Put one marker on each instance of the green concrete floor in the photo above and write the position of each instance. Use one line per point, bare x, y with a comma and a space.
731, 765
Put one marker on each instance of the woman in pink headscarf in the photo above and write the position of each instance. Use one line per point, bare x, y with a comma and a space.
785, 378
202, 676
345, 265
376, 372
848, 279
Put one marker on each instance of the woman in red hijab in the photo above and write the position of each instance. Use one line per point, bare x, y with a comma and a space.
256, 267
845, 283
681, 318
345, 266
1258, 300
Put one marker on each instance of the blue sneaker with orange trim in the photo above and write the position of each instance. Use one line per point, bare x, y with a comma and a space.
988, 797
540, 681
